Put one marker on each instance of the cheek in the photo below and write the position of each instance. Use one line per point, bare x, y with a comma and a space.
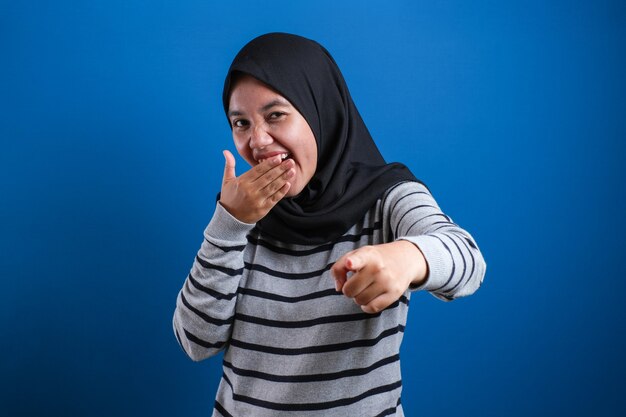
306, 145
311, 151
243, 150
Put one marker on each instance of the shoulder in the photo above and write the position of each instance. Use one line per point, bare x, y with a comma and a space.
407, 191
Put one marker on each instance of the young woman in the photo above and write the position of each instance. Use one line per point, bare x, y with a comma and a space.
307, 266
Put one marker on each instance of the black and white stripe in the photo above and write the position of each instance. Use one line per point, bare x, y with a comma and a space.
294, 346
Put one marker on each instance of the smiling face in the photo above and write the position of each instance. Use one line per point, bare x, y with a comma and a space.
266, 124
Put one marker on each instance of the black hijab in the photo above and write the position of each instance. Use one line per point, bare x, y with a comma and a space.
351, 174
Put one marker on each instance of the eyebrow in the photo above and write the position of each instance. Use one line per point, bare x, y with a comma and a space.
264, 108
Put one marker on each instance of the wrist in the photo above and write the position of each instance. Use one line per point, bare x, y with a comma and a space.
225, 226
418, 267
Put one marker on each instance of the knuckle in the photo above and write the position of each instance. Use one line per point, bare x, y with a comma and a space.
366, 250
399, 288
373, 308
347, 291
395, 290
386, 277
390, 285
276, 186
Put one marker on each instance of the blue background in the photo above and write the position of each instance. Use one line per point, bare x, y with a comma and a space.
514, 113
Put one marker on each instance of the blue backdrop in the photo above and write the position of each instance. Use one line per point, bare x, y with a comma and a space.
514, 113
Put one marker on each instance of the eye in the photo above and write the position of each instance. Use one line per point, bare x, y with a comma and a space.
276, 115
240, 123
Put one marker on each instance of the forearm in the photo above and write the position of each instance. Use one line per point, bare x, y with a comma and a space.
455, 265
206, 304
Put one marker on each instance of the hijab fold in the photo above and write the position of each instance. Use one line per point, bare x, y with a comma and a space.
351, 173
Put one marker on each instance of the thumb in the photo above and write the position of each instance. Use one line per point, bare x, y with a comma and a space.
229, 167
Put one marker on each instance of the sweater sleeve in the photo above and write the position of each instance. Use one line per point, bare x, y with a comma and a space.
455, 264
205, 306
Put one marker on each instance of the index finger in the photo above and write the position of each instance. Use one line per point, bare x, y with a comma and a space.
259, 170
341, 268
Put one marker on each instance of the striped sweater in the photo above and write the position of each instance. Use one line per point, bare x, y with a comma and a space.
295, 346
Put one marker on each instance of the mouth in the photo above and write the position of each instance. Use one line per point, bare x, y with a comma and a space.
283, 156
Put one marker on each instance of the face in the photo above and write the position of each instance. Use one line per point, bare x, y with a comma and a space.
265, 124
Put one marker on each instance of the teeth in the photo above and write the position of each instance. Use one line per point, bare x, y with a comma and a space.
283, 156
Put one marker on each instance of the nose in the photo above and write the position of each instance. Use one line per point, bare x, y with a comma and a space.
259, 137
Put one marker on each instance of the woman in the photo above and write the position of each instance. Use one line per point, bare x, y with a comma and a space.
305, 273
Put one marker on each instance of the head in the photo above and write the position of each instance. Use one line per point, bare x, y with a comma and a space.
264, 124
285, 94
303, 73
